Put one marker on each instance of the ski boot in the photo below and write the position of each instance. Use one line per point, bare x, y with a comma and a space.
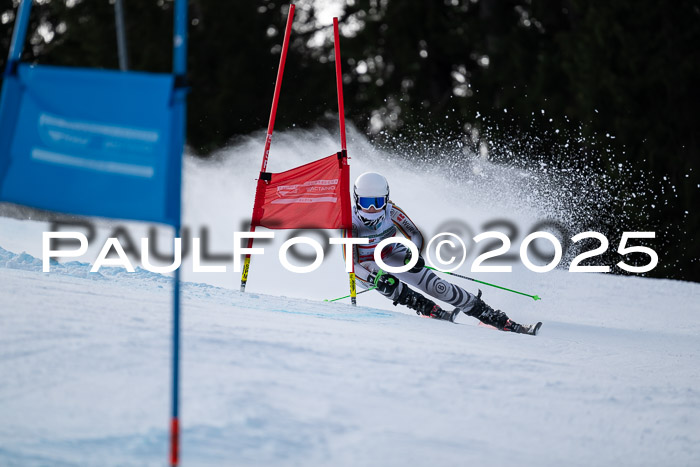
423, 306
498, 319
389, 286
439, 313
530, 329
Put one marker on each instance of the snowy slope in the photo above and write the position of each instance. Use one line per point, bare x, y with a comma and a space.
218, 199
280, 381
278, 377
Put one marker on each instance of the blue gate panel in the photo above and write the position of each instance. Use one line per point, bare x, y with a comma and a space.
92, 142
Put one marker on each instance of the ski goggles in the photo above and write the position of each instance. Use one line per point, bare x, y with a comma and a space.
366, 202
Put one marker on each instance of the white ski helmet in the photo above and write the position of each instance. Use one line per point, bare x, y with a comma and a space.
371, 190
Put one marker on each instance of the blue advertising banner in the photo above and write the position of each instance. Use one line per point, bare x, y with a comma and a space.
92, 142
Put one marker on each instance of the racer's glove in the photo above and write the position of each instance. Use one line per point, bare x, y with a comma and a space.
418, 266
386, 283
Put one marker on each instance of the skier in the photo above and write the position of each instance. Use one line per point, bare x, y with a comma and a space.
376, 217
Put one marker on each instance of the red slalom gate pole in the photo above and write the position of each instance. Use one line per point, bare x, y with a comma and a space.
270, 128
339, 82
278, 86
341, 118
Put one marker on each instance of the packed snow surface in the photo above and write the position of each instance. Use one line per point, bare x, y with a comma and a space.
266, 380
276, 376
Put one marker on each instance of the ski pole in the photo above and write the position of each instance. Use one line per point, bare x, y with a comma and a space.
380, 273
347, 296
534, 297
